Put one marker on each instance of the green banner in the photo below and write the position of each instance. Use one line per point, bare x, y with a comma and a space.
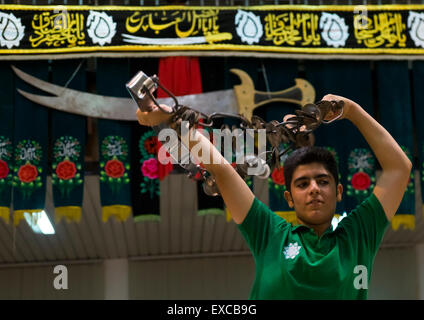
395, 114
6, 139
114, 144
417, 78
338, 29
145, 174
68, 144
30, 148
356, 162
279, 74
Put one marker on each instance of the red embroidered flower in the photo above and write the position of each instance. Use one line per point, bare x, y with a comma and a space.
278, 176
163, 169
4, 169
151, 145
198, 176
66, 170
114, 168
27, 173
361, 181
150, 168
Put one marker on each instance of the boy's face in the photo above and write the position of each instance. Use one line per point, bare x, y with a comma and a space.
314, 194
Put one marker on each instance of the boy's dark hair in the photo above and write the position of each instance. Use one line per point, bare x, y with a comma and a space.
307, 155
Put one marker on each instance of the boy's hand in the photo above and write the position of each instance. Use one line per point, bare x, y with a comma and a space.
153, 117
347, 106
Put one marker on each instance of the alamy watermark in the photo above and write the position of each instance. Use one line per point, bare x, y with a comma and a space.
235, 143
61, 17
361, 280
60, 282
361, 20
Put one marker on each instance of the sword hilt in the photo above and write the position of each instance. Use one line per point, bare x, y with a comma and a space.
249, 99
141, 88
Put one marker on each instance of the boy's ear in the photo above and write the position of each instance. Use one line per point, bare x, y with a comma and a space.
289, 199
339, 192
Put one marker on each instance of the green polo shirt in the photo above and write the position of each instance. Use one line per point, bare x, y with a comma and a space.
292, 262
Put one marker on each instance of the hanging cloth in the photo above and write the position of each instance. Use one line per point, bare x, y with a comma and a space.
114, 141
6, 139
251, 67
356, 162
145, 182
68, 145
280, 75
146, 170
417, 78
181, 75
31, 145
395, 114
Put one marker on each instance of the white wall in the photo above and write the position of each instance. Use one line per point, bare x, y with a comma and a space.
420, 270
116, 279
397, 274
85, 281
200, 278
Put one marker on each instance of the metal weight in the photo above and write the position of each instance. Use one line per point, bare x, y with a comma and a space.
141, 88
295, 130
210, 187
138, 87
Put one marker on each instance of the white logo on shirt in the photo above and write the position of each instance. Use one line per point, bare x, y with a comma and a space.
292, 250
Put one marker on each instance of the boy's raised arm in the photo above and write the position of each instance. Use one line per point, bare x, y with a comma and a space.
236, 194
396, 167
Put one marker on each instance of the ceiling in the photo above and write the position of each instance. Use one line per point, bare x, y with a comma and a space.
181, 232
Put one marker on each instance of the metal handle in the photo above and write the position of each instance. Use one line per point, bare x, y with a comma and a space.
141, 88
137, 88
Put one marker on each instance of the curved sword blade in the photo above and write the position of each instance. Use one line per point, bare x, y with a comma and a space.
208, 102
38, 83
78, 102
115, 108
89, 105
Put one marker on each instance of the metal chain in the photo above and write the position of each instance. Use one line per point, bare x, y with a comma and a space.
294, 131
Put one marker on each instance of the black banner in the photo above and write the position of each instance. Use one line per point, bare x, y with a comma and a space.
386, 29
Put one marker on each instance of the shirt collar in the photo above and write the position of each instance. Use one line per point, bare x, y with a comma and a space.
298, 227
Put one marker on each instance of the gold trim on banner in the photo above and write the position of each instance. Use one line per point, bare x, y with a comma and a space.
18, 215
211, 46
147, 218
289, 216
120, 212
405, 220
70, 213
5, 214
211, 211
385, 7
276, 55
219, 47
227, 215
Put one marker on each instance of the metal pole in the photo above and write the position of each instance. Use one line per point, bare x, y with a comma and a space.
49, 263
191, 256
